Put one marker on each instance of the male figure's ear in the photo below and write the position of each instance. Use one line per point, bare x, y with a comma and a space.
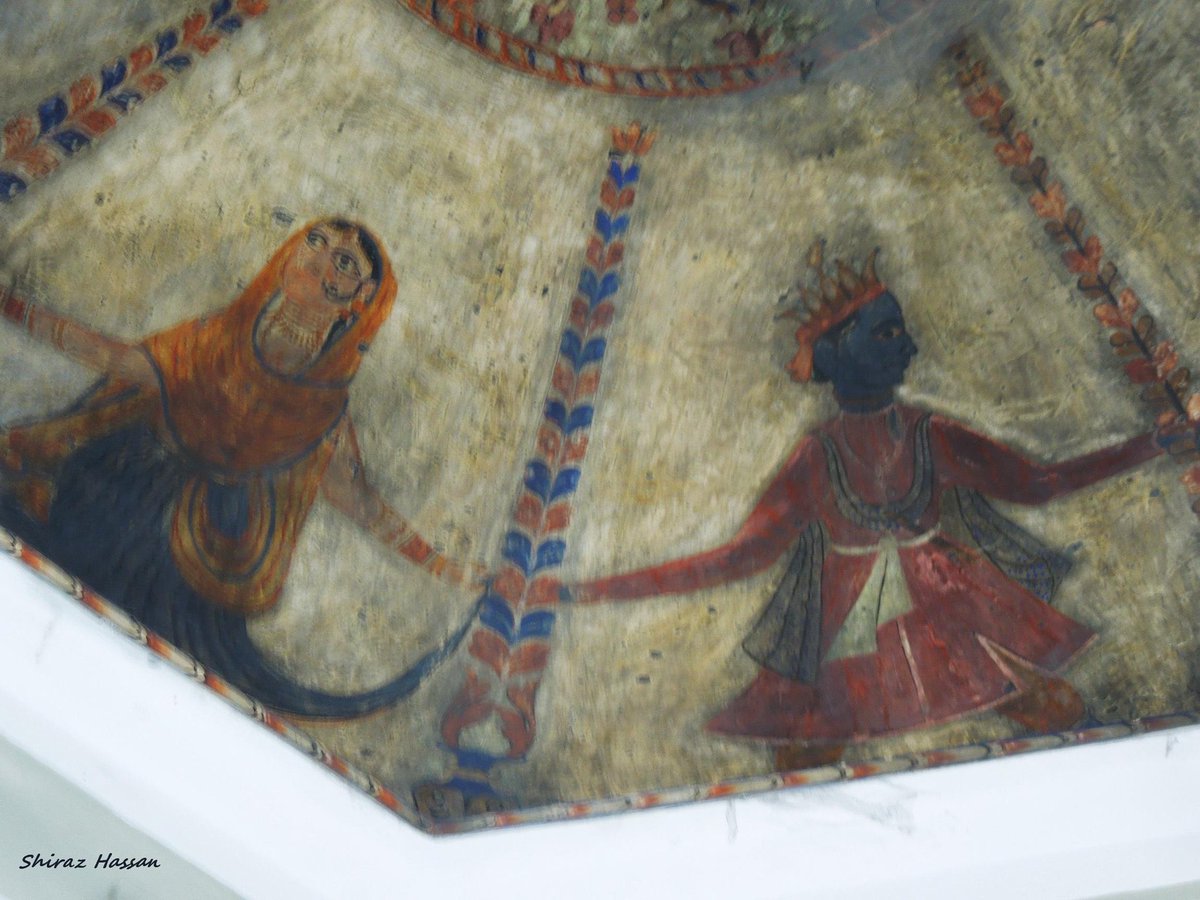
824, 360
367, 290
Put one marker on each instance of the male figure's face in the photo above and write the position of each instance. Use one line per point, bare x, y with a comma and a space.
874, 353
327, 267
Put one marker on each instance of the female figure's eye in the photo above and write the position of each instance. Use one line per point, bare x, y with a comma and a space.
316, 240
346, 264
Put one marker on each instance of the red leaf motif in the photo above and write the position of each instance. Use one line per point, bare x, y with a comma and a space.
140, 58
529, 658
489, 648
193, 25
579, 314
205, 42
986, 103
1191, 480
1018, 153
253, 8
529, 512
1088, 260
469, 706
576, 449
633, 139
18, 134
549, 440
1141, 371
587, 384
38, 161
595, 250
602, 317
98, 121
1050, 204
1129, 303
1193, 408
614, 201
564, 378
518, 729
1165, 359
152, 83
608, 194
558, 517
83, 93
1110, 315
616, 252
544, 591
509, 584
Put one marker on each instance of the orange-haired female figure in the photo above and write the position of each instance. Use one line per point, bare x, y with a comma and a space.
178, 485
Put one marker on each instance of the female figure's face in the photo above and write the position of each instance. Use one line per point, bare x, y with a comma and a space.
329, 267
871, 356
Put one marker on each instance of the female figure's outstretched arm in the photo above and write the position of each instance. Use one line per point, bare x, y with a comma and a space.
90, 348
347, 488
781, 514
966, 458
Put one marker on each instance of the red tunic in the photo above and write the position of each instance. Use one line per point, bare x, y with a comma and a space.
946, 652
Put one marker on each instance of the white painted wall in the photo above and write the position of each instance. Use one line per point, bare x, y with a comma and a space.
224, 794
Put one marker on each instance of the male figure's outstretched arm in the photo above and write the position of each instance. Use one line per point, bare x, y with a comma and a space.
779, 517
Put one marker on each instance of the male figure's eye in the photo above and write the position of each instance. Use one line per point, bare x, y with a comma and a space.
889, 332
316, 240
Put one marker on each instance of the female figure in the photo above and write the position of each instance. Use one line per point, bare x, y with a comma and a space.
882, 622
178, 485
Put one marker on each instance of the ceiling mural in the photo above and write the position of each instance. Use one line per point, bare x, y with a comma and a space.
535, 410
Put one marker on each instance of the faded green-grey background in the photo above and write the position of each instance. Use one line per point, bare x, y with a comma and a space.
482, 184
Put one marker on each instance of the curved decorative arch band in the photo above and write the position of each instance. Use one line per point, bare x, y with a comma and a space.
533, 59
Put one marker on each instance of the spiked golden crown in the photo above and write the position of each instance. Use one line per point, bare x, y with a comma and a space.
829, 302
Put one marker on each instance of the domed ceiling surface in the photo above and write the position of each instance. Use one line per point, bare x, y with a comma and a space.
539, 410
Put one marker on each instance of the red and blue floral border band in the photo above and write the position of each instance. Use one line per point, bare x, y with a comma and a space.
498, 46
1150, 360
568, 809
510, 642
68, 122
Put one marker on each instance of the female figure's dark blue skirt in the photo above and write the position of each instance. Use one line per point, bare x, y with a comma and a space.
108, 526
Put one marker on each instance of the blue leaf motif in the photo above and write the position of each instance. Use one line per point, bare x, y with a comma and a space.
125, 100
565, 483
623, 177
570, 347
537, 479
550, 553
587, 281
611, 281
166, 42
593, 352
581, 417
604, 225
71, 140
112, 75
51, 112
539, 624
495, 614
556, 412
10, 186
518, 550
